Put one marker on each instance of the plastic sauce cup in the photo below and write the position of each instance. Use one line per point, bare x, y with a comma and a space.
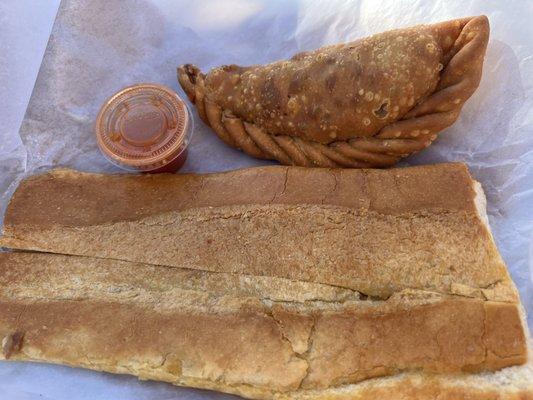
145, 127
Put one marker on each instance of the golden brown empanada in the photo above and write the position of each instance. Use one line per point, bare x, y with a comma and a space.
366, 103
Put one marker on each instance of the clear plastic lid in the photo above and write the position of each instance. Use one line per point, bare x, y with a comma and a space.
143, 127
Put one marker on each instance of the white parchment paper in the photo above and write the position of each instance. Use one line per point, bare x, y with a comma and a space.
100, 46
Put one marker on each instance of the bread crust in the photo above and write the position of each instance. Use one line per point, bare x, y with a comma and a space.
93, 199
145, 320
373, 231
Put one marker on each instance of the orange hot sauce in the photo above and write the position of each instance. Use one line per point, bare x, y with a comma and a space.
145, 127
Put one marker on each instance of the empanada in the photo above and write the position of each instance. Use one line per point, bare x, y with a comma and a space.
366, 103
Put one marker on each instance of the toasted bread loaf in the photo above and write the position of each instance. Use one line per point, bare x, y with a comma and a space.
373, 231
260, 337
270, 282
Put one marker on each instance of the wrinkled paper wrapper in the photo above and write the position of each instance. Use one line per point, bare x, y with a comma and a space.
98, 46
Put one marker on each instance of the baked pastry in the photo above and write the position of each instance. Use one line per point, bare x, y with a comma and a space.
259, 337
366, 103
